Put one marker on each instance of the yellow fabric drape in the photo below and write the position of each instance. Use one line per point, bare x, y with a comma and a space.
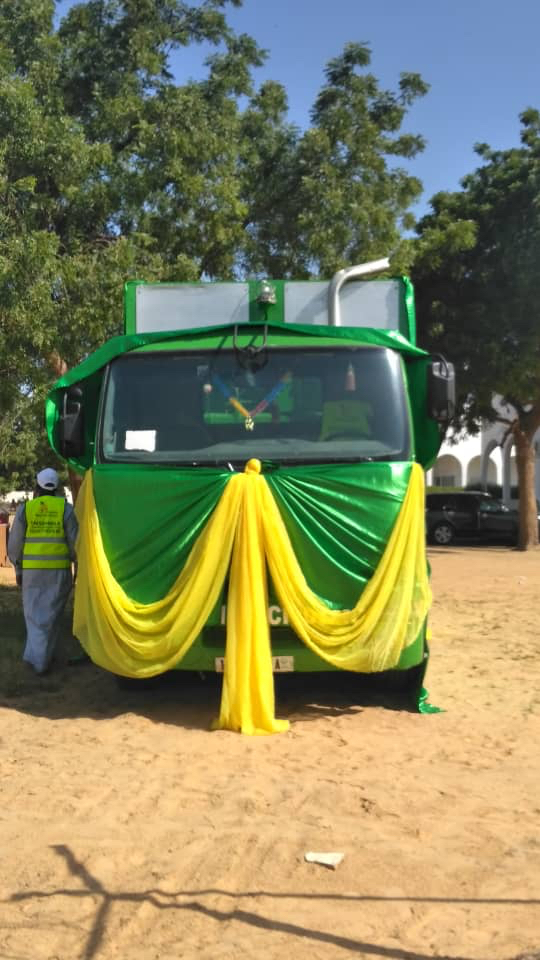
141, 640
136, 639
392, 608
247, 697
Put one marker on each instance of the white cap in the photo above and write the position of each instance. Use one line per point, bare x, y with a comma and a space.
47, 479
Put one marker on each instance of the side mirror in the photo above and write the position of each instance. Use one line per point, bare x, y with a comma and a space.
72, 423
441, 390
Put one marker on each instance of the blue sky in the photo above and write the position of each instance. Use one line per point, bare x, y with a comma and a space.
481, 58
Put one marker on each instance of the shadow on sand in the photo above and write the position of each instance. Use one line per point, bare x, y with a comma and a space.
89, 888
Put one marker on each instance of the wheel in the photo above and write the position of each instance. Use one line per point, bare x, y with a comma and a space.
442, 533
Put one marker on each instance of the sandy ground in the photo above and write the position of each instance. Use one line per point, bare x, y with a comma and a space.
128, 830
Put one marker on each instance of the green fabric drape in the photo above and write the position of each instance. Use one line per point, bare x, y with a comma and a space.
338, 519
150, 518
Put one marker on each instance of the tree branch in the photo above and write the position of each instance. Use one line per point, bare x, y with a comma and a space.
505, 420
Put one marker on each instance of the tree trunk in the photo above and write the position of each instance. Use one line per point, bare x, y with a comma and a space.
60, 367
528, 511
75, 481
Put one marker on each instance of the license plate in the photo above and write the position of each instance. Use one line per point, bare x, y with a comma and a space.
279, 664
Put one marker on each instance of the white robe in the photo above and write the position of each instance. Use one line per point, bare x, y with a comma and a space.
44, 596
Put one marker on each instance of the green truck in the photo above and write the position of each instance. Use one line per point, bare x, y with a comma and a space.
255, 450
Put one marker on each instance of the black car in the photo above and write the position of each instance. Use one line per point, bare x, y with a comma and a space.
471, 515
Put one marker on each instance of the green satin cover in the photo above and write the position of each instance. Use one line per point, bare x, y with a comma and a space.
338, 517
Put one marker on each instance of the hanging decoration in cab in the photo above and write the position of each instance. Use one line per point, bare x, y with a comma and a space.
249, 415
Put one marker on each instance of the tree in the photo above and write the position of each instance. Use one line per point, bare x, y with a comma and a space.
478, 295
110, 170
332, 195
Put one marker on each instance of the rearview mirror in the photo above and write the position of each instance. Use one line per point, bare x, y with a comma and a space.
441, 390
72, 423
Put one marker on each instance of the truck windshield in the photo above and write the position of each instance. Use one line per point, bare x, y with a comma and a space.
318, 405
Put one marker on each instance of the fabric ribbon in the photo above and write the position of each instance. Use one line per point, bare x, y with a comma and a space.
244, 532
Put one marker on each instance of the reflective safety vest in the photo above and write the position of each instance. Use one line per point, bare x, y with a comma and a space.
45, 546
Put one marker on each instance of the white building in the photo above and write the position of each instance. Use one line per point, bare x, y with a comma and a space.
481, 460
16, 496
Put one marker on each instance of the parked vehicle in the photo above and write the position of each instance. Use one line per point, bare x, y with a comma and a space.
469, 514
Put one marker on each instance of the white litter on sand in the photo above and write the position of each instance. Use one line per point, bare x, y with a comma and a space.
326, 859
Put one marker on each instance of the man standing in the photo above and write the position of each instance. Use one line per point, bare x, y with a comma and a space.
42, 550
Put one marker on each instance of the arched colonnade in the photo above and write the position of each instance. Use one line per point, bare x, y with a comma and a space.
494, 465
